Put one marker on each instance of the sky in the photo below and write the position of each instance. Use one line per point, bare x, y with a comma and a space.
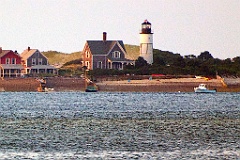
179, 26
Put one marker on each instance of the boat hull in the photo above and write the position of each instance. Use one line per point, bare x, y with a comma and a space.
91, 90
204, 90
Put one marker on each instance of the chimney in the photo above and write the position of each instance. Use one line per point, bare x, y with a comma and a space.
29, 48
104, 36
0, 49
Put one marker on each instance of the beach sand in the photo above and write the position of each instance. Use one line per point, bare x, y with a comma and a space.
144, 85
159, 85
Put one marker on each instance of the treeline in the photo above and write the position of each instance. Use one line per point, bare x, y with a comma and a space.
204, 64
169, 63
164, 62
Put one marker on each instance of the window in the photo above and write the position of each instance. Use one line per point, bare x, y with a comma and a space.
109, 65
13, 60
146, 26
39, 61
116, 54
99, 64
87, 54
7, 60
33, 61
87, 64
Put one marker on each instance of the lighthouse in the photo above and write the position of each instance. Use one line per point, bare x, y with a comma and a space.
146, 42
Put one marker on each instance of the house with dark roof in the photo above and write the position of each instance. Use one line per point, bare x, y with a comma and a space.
105, 54
10, 63
35, 62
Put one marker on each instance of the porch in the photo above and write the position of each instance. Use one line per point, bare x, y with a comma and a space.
41, 69
118, 65
11, 70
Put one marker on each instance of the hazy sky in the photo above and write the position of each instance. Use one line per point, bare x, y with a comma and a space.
180, 26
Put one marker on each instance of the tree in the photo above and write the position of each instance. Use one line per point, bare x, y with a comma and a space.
140, 62
236, 60
191, 56
158, 60
227, 61
205, 56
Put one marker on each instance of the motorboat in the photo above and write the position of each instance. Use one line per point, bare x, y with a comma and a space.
203, 89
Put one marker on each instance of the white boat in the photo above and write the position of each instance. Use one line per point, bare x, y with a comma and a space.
203, 89
48, 89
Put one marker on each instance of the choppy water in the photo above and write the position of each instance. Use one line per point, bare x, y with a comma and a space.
78, 125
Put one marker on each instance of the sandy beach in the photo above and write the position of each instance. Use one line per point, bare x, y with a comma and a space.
160, 85
141, 85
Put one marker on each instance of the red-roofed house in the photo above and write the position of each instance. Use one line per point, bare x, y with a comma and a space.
36, 63
10, 63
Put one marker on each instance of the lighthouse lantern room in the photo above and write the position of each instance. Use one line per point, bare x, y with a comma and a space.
146, 42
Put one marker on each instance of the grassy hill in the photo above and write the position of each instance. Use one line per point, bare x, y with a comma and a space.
56, 57
132, 51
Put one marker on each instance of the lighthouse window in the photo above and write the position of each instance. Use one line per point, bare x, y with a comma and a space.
146, 26
116, 54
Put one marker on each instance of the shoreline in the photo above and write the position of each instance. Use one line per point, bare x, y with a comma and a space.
164, 85
144, 85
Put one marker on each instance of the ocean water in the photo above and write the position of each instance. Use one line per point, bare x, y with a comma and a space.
112, 125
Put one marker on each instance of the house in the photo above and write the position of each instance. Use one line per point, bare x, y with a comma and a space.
105, 54
10, 63
35, 62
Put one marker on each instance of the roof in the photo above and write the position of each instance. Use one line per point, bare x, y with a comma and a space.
103, 47
120, 60
146, 22
27, 53
4, 52
43, 67
12, 66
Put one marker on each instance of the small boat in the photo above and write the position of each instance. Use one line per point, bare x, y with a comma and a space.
46, 89
91, 87
203, 89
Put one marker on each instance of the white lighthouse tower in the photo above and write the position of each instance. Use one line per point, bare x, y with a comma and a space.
146, 42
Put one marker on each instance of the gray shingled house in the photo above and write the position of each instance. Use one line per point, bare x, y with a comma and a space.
105, 54
36, 63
